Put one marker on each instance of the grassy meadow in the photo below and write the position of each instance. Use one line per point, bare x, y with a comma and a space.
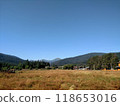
60, 80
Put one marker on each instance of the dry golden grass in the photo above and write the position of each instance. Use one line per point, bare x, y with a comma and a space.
60, 80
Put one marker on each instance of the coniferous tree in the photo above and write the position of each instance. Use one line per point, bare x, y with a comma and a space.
107, 61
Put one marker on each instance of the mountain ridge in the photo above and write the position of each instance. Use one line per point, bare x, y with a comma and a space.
51, 61
10, 59
81, 59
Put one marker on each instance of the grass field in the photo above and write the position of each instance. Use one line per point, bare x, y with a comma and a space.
60, 80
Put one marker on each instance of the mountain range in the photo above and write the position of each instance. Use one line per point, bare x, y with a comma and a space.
51, 61
16, 60
82, 59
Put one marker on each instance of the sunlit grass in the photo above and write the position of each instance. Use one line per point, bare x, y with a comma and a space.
60, 80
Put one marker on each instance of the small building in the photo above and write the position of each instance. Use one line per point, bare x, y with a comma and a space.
80, 68
11, 71
75, 68
84, 68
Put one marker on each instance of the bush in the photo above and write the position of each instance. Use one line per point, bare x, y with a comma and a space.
69, 66
4, 69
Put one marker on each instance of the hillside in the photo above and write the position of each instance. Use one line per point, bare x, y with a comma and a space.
82, 59
118, 54
10, 59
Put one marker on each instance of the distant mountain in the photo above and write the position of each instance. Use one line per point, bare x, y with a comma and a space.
54, 60
51, 61
82, 59
10, 59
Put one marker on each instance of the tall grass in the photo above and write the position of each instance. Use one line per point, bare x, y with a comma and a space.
60, 80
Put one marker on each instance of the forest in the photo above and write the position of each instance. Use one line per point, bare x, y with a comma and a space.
26, 65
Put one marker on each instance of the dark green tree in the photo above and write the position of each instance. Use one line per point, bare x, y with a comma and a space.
107, 61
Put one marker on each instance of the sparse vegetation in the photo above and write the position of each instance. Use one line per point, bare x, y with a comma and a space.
60, 80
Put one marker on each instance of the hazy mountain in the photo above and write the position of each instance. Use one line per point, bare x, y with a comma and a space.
51, 61
82, 59
10, 59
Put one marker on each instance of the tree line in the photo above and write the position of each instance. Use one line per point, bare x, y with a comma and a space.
107, 61
26, 65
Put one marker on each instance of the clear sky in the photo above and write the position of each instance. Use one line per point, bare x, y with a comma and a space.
48, 29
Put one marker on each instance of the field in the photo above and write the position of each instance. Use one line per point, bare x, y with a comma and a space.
60, 80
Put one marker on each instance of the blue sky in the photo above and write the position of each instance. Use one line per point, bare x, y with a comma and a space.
47, 29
